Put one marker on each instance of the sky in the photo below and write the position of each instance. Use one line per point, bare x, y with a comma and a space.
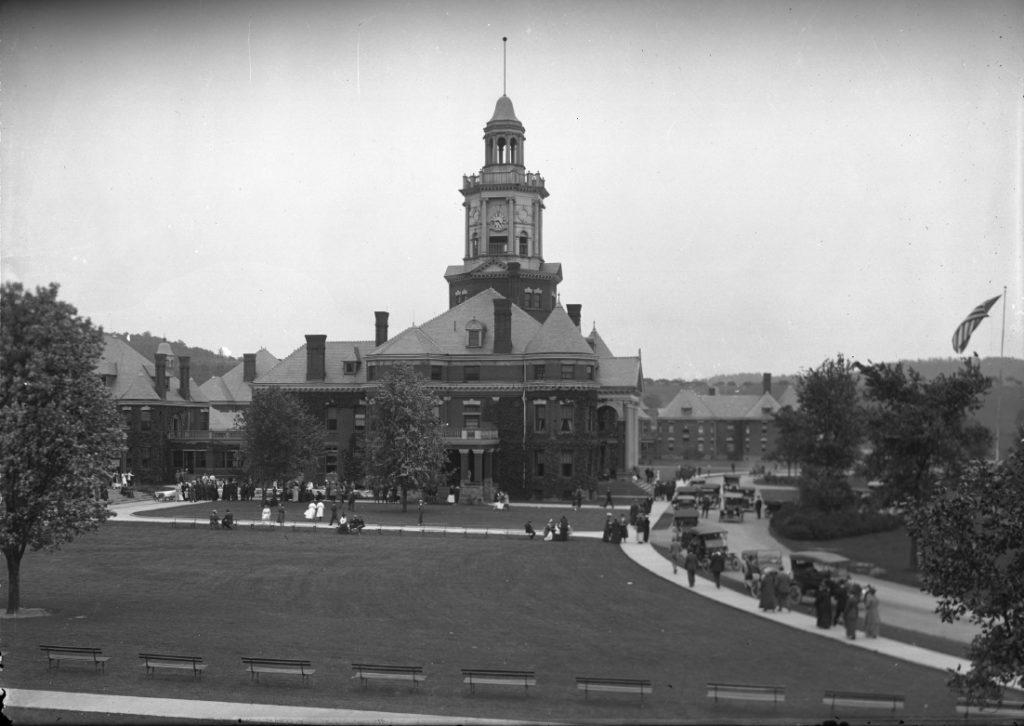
734, 186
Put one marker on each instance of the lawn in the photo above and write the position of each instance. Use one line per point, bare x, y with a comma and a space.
590, 518
564, 609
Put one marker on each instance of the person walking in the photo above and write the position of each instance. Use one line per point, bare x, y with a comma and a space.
767, 600
840, 595
717, 567
647, 529
823, 605
690, 565
871, 619
608, 498
675, 553
782, 584
639, 526
757, 506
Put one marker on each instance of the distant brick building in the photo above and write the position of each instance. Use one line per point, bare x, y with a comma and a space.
695, 426
529, 403
163, 415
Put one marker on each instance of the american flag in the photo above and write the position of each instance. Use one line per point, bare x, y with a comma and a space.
962, 336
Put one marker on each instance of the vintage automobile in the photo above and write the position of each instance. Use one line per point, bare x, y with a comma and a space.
704, 539
166, 494
810, 567
732, 508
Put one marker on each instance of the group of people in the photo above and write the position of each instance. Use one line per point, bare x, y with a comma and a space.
553, 531
839, 601
774, 593
225, 522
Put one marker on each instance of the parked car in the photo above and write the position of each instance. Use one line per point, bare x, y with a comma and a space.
810, 567
166, 494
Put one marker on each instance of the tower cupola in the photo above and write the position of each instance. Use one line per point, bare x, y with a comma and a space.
504, 137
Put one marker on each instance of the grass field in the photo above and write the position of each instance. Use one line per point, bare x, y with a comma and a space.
564, 609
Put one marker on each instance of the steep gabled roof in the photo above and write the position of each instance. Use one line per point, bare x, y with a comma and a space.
620, 372
230, 388
597, 343
130, 376
559, 334
293, 368
686, 398
447, 332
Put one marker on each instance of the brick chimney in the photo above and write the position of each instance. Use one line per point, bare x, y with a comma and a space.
380, 319
248, 367
574, 313
316, 352
502, 325
161, 374
766, 383
184, 371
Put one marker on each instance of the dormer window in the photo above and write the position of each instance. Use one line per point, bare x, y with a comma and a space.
351, 366
475, 333
687, 411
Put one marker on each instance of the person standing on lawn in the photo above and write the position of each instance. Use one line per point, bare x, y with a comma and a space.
690, 565
608, 498
334, 513
871, 619
320, 511
280, 513
609, 525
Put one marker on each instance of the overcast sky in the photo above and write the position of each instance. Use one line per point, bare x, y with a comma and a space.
735, 187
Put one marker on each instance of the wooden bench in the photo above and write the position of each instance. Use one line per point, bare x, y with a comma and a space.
613, 685
279, 665
366, 671
152, 661
57, 653
738, 692
850, 699
999, 709
498, 677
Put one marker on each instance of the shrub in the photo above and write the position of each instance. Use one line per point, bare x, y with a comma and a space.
806, 523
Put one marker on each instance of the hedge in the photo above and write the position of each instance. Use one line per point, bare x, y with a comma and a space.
803, 523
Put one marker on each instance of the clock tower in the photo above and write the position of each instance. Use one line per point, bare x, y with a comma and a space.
504, 232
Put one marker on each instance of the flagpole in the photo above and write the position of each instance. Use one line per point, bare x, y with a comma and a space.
999, 392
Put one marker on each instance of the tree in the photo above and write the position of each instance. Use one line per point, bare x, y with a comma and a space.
921, 431
405, 445
824, 434
280, 438
970, 533
60, 433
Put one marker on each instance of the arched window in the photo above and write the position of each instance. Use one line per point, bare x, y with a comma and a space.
474, 245
524, 244
501, 155
513, 146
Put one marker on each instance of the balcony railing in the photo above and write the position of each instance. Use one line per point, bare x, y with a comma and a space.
511, 177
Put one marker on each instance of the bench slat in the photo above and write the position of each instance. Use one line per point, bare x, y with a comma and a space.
741, 692
614, 685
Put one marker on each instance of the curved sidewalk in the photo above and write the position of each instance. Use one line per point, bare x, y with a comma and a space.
647, 557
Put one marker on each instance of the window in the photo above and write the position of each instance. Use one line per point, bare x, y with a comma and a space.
144, 453
350, 367
359, 420
474, 246
591, 415
435, 373
566, 459
687, 411
474, 340
686, 433
146, 420
538, 462
204, 420
471, 373
497, 245
700, 429
567, 415
474, 333
471, 414
590, 372
568, 371
331, 460
540, 416
524, 244
332, 418
538, 372
371, 373
700, 448
536, 301
126, 415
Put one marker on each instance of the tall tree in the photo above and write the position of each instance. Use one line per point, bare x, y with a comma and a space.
281, 440
405, 445
60, 433
824, 434
922, 431
970, 531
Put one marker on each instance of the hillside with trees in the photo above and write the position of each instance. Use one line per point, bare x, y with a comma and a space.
204, 363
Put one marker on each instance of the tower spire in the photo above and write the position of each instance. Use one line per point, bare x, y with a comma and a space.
504, 61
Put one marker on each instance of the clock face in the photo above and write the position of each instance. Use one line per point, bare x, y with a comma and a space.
498, 222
